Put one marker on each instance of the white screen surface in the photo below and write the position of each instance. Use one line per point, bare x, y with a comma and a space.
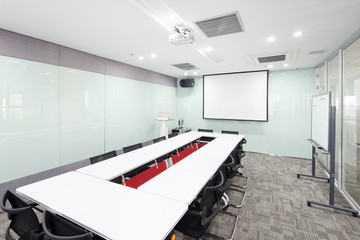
236, 96
320, 120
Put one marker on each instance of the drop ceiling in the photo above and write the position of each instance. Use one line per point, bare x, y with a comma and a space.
124, 30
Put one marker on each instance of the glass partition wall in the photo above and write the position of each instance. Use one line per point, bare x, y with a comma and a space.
351, 120
341, 76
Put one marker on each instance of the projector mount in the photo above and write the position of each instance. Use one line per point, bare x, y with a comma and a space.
182, 30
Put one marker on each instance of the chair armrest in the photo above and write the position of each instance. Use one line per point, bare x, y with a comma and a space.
13, 210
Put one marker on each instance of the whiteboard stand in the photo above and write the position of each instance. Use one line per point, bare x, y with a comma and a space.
330, 171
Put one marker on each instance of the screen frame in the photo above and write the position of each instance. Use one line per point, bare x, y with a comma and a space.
247, 120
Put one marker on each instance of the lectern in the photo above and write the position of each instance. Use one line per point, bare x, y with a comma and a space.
163, 117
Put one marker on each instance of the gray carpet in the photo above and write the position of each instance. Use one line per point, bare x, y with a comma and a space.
275, 206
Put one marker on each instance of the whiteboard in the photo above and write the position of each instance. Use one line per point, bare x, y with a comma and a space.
320, 119
236, 96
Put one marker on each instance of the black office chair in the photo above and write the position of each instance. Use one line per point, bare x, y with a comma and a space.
102, 157
159, 139
203, 210
238, 155
205, 130
132, 147
206, 139
229, 170
174, 134
230, 132
58, 228
24, 221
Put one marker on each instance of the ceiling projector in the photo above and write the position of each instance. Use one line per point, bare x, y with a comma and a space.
182, 35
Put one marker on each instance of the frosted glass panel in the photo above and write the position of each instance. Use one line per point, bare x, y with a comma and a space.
81, 114
131, 108
128, 112
163, 100
29, 118
289, 124
321, 86
52, 116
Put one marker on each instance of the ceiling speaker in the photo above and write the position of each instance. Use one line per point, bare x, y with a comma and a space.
187, 83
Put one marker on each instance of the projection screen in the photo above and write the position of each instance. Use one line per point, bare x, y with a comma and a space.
236, 96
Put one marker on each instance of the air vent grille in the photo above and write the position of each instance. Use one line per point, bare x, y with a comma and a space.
185, 66
316, 52
221, 25
268, 59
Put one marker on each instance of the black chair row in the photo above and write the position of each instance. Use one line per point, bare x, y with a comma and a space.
126, 149
223, 131
130, 148
208, 204
24, 222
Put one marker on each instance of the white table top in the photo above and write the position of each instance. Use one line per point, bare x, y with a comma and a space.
184, 181
117, 166
108, 209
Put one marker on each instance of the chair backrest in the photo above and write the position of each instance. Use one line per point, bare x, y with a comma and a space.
228, 169
230, 132
147, 143
205, 130
132, 147
159, 139
172, 135
58, 228
103, 157
211, 196
22, 216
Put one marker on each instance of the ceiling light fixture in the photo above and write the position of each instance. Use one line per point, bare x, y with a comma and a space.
286, 65
270, 66
153, 55
141, 58
185, 73
271, 39
297, 34
195, 73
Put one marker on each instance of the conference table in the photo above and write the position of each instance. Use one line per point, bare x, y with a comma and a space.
107, 209
184, 181
114, 211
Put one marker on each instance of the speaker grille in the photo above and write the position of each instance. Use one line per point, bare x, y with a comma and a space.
187, 83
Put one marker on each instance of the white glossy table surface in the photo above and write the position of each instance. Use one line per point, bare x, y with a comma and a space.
117, 166
184, 181
111, 210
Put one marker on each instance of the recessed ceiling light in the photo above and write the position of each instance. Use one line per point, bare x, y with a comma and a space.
141, 58
271, 39
286, 65
297, 34
185, 73
195, 73
270, 66
153, 55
